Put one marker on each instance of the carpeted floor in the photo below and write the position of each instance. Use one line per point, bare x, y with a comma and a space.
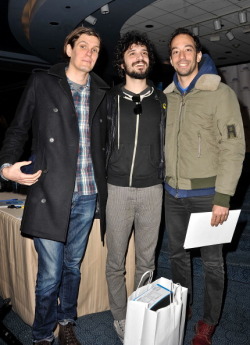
97, 329
233, 329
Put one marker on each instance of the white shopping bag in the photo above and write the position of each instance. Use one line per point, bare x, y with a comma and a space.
164, 326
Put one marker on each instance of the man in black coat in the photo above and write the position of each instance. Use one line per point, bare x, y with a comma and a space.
66, 108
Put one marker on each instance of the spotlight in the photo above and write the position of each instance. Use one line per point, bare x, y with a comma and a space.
105, 9
242, 17
91, 20
217, 24
230, 35
195, 30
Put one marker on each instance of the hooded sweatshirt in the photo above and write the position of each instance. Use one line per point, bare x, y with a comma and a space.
135, 143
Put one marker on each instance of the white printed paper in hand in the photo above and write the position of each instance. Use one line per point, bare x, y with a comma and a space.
156, 297
200, 233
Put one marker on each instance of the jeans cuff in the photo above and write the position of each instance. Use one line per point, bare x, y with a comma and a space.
66, 321
50, 339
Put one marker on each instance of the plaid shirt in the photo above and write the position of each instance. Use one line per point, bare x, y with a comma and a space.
85, 180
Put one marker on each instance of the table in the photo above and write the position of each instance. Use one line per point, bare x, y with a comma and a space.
18, 267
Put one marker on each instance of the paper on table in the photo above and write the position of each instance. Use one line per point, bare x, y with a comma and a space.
9, 202
200, 233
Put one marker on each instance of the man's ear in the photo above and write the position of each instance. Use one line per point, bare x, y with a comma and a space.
68, 50
170, 59
199, 56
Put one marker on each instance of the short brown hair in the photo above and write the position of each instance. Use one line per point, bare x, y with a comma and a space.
75, 34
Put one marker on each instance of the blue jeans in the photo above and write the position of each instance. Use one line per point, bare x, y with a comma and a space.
59, 270
177, 214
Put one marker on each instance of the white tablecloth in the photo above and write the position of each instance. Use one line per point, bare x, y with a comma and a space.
18, 267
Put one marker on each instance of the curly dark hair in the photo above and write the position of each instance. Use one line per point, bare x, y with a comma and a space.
129, 38
184, 31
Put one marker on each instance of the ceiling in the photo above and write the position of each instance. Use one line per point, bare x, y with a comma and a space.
33, 31
166, 15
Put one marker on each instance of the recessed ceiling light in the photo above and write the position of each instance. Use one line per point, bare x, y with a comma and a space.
195, 30
91, 20
242, 17
217, 24
229, 35
214, 38
246, 29
105, 9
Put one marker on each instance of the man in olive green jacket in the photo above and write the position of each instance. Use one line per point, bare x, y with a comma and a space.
204, 153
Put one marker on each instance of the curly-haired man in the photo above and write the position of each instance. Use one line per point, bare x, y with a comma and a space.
136, 121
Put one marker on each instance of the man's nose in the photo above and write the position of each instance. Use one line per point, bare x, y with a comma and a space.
182, 54
139, 56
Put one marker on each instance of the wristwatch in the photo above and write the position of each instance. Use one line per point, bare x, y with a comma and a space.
5, 165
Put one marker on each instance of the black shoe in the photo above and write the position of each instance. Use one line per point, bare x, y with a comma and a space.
67, 336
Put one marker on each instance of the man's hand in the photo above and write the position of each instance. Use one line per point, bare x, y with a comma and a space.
219, 215
15, 174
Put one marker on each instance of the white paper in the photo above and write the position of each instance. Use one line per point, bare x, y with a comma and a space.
200, 233
153, 295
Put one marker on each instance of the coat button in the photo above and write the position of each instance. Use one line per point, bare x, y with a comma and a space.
101, 120
51, 140
103, 149
45, 171
43, 201
55, 110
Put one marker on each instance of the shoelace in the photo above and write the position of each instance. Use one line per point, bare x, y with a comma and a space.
122, 325
69, 334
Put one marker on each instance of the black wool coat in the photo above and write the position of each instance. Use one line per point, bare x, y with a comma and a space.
47, 106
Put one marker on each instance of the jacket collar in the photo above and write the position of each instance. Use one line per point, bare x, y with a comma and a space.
118, 89
208, 82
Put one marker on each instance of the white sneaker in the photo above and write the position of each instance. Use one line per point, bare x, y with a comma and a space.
120, 328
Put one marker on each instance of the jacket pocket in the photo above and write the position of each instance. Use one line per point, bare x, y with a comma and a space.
120, 160
147, 161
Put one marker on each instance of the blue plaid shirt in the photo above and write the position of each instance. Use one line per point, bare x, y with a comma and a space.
85, 180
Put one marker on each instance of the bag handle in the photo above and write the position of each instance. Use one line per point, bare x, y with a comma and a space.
150, 273
176, 295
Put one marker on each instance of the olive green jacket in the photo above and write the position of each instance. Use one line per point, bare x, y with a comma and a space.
205, 143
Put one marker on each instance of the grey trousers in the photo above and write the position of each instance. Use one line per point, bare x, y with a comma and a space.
128, 206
